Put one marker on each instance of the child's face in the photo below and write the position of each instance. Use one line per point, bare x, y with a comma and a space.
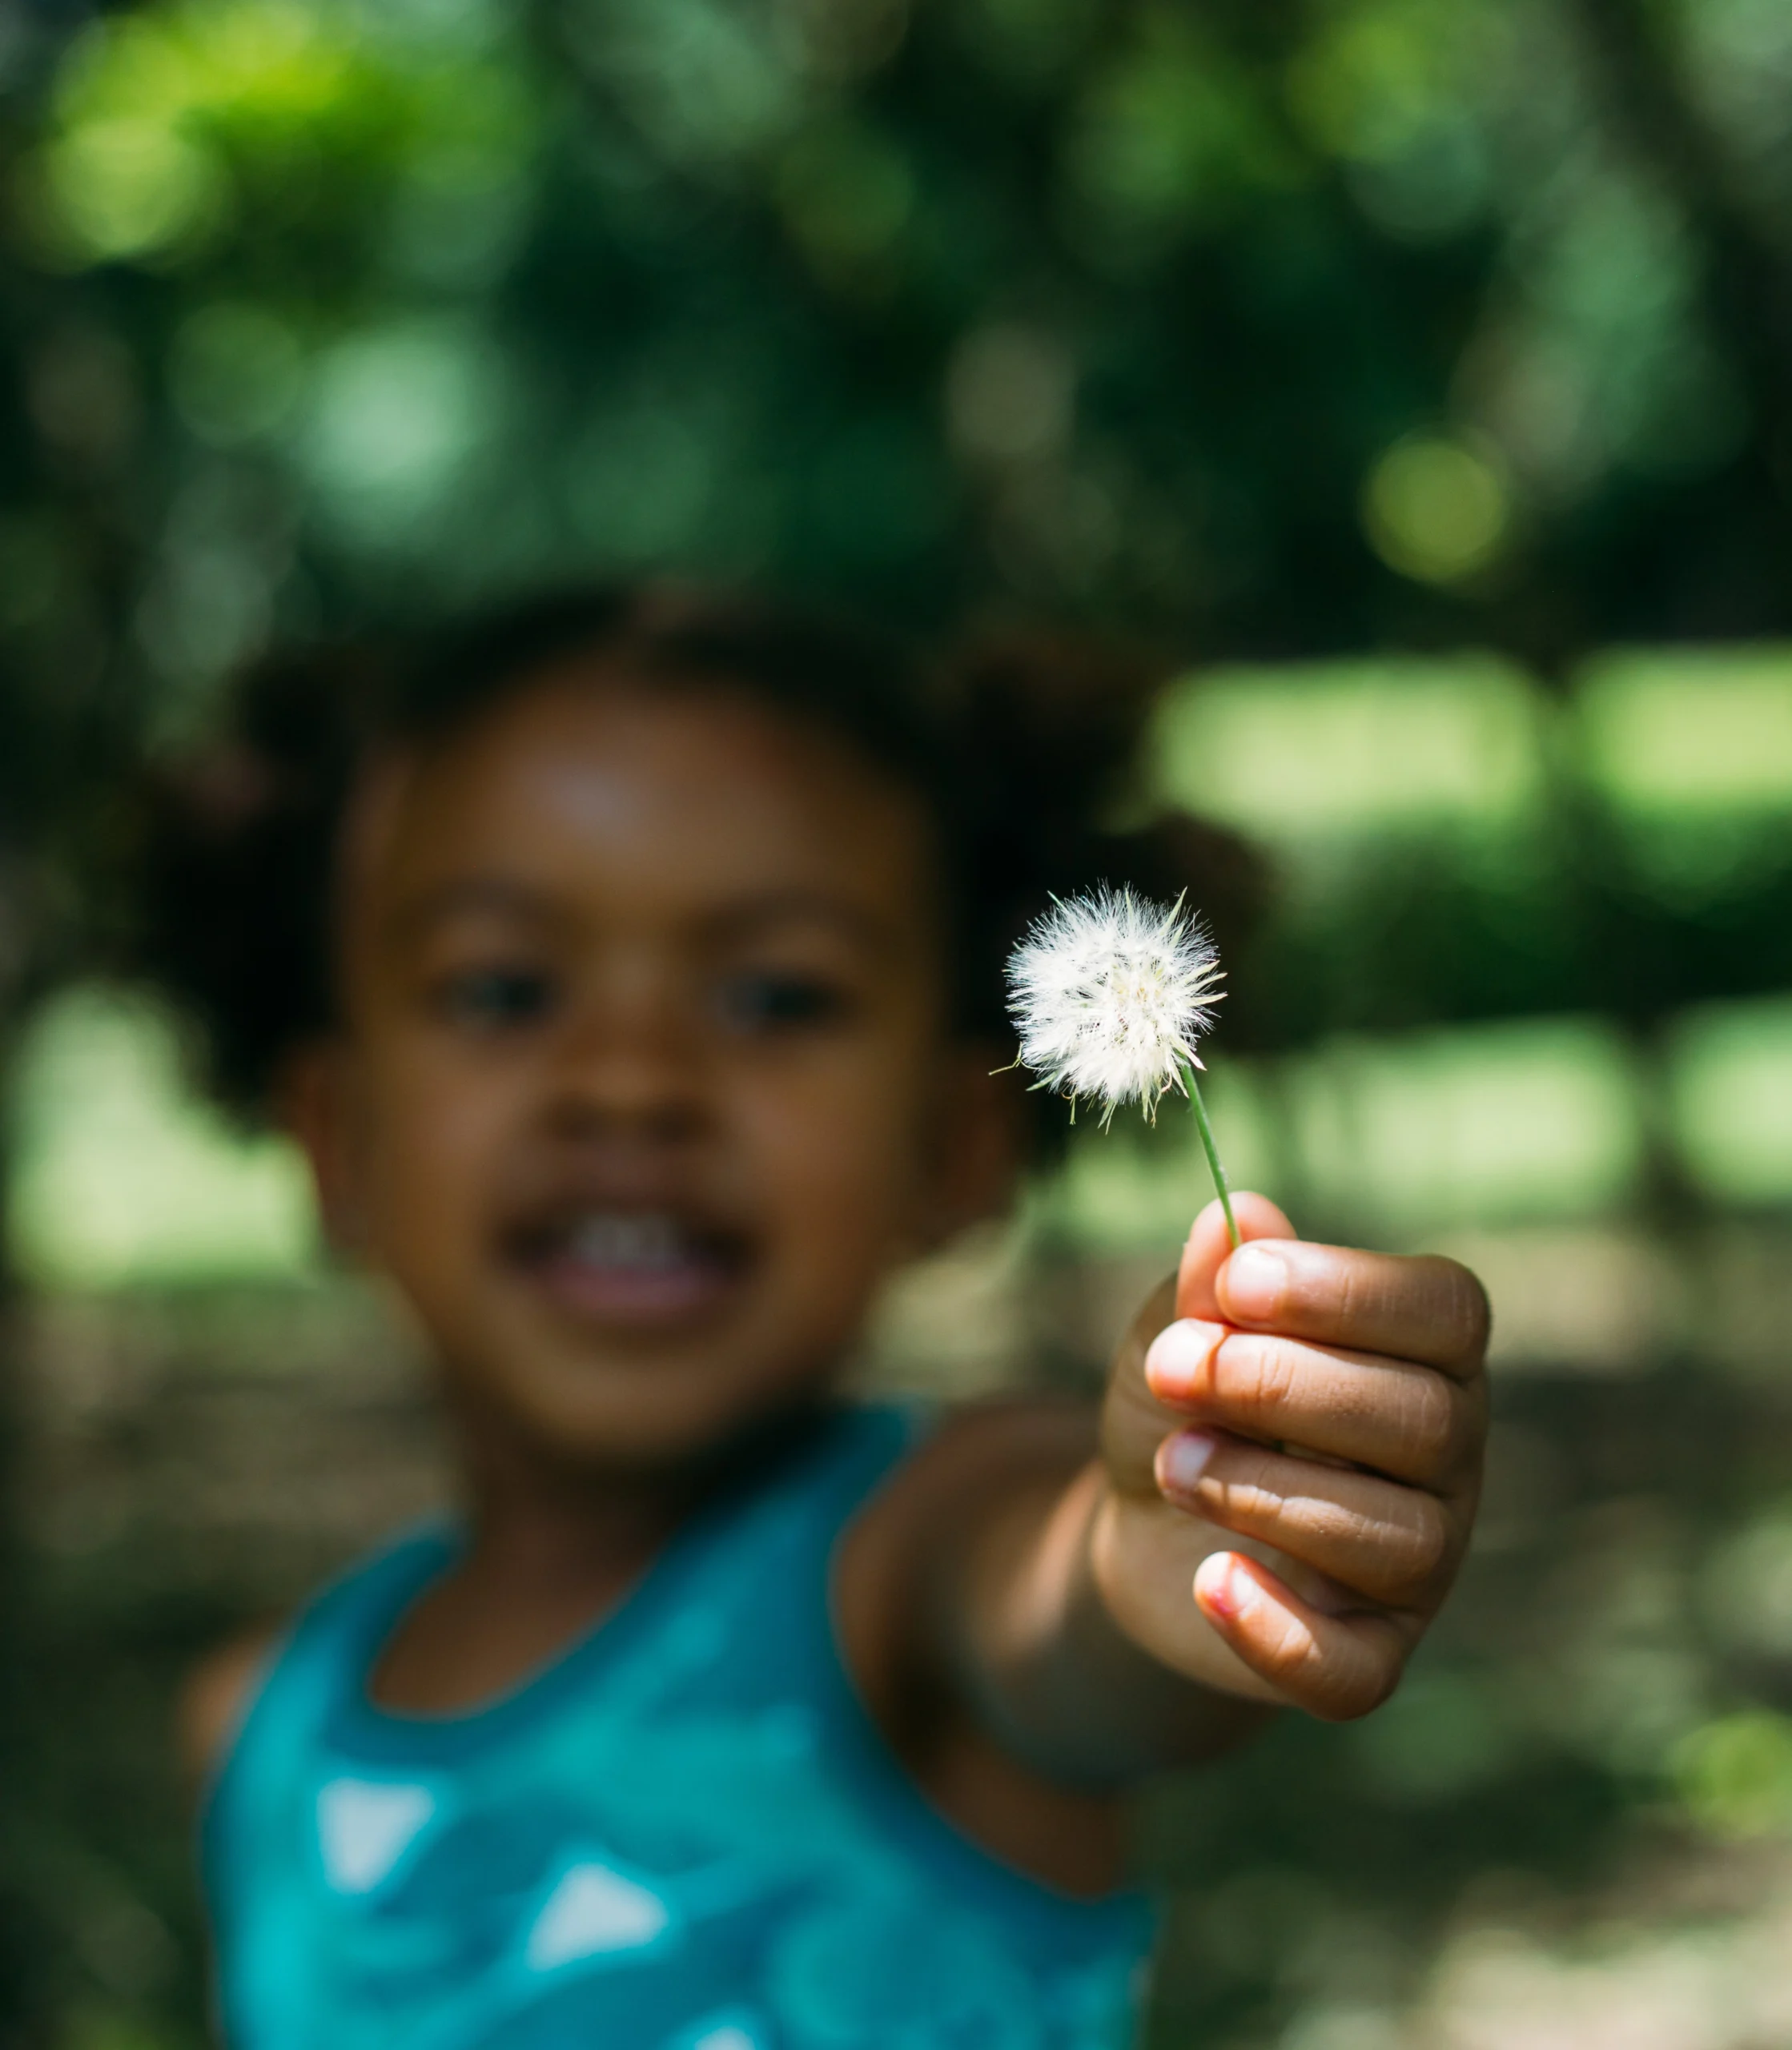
644, 1082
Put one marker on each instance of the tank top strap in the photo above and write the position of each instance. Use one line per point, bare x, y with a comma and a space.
788, 1540
326, 1651
762, 1556
869, 1443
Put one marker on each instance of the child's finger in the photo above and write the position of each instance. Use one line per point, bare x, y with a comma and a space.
1209, 1248
1407, 1421
1335, 1667
1391, 1543
1423, 1309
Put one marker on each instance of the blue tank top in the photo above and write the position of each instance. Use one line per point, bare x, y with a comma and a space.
684, 1833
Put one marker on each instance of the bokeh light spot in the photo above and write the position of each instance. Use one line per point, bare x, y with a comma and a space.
396, 415
1748, 1584
1732, 1094
1696, 731
1352, 747
1735, 1775
121, 1177
130, 188
1435, 509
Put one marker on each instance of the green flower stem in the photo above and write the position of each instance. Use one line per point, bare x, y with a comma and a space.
1206, 1130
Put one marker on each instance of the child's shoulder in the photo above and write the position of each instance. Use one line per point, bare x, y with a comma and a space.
221, 1686
927, 1518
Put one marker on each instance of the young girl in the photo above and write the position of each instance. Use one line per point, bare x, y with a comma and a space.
629, 971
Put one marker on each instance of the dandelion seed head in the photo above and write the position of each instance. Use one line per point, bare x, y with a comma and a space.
1109, 992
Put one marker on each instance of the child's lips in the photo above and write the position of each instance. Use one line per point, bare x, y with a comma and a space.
643, 1269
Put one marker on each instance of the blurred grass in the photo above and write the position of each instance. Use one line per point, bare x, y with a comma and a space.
1296, 756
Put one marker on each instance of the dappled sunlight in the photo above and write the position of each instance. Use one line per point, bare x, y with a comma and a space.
120, 1174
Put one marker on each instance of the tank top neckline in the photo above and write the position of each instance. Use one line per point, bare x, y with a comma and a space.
414, 1563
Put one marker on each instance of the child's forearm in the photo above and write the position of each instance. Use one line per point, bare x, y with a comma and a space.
1045, 1658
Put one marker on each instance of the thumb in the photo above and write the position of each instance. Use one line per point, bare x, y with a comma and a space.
1209, 1249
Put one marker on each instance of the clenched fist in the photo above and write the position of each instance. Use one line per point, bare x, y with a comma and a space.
1293, 1451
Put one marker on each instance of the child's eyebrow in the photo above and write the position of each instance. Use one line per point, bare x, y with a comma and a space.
470, 896
745, 920
500, 896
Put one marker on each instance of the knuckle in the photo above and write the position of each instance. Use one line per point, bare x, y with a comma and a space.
1429, 1427
1257, 1373
1251, 1468
1241, 1494
1424, 1545
1362, 1691
1465, 1439
1290, 1655
1463, 1310
1363, 1670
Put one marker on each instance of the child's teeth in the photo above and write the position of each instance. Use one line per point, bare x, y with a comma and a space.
612, 1240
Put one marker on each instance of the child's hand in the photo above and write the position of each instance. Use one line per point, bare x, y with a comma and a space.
1325, 1407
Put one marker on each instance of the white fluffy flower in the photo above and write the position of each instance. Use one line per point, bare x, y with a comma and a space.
1110, 993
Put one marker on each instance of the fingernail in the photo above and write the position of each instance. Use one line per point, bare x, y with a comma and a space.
1176, 1364
1227, 1592
1252, 1283
1182, 1461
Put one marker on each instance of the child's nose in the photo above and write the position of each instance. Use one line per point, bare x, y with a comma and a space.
626, 1061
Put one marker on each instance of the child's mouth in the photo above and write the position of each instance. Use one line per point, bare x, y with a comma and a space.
635, 1267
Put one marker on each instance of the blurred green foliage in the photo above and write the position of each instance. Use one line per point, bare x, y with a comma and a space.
1372, 322
1389, 324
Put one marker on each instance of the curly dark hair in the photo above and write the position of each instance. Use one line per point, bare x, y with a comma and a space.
1018, 746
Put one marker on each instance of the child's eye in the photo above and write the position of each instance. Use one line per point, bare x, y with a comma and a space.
762, 1001
488, 998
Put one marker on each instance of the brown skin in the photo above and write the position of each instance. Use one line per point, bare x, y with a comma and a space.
606, 952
